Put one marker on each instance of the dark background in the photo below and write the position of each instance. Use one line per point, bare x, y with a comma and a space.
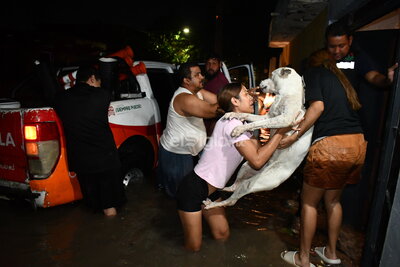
70, 33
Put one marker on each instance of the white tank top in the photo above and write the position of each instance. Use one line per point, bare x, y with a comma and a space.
183, 135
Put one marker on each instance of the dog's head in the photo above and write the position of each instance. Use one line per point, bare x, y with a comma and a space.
285, 73
283, 81
286, 80
267, 86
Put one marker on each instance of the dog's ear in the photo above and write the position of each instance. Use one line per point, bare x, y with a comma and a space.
285, 72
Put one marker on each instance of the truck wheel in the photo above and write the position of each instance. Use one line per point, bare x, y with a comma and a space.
137, 158
134, 175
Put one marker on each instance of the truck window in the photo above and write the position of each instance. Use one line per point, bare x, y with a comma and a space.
240, 75
38, 89
28, 93
164, 85
127, 88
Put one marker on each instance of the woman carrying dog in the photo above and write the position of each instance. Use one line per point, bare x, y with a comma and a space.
335, 158
220, 158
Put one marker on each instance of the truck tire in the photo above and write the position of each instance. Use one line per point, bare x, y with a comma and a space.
133, 176
137, 158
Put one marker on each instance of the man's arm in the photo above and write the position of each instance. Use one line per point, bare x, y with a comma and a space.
378, 79
209, 96
189, 105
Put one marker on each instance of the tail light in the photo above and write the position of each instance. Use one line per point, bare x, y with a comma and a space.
42, 148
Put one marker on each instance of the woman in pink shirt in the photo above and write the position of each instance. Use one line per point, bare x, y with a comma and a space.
220, 158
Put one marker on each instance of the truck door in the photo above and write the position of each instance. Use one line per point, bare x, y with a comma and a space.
243, 74
13, 164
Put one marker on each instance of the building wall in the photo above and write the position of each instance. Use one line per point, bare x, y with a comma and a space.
309, 40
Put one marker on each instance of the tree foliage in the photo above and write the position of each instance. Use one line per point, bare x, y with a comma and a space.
173, 47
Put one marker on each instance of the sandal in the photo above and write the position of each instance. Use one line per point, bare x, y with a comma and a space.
321, 253
288, 256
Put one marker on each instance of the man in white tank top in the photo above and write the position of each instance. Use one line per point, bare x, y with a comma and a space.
185, 134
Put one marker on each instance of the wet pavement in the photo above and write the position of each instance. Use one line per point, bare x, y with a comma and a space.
147, 232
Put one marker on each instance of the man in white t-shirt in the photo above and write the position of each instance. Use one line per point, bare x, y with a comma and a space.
185, 134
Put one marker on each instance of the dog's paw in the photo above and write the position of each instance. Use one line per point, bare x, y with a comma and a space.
210, 204
238, 130
227, 116
235, 115
230, 116
216, 204
207, 202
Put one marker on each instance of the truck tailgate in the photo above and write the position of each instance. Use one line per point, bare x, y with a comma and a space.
13, 162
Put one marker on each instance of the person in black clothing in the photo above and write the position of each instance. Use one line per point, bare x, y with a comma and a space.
91, 150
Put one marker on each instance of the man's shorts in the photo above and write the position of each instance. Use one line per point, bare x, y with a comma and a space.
191, 193
172, 168
335, 161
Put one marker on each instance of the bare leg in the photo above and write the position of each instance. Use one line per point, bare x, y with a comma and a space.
110, 212
192, 229
216, 219
334, 213
310, 198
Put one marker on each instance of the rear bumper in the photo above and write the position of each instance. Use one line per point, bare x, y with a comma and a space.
16, 193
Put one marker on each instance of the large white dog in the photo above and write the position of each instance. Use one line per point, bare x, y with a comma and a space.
288, 106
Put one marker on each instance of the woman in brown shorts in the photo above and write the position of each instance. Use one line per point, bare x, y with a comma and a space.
336, 155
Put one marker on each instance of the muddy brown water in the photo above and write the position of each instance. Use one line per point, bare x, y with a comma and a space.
147, 232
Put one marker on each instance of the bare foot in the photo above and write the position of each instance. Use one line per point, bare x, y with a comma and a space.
110, 212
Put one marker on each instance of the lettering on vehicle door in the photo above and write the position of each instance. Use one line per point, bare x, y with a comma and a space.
6, 139
123, 109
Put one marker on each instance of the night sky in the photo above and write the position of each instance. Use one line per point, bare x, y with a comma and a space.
240, 19
67, 31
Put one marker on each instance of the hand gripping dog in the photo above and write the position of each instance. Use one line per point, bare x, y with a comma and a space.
288, 105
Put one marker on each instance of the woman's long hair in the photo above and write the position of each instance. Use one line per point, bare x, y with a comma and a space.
323, 58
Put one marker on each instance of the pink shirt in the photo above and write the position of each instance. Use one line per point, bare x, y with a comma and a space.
220, 158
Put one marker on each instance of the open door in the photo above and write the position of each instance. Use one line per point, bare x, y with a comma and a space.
243, 74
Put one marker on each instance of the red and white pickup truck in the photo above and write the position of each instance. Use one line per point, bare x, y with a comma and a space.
33, 161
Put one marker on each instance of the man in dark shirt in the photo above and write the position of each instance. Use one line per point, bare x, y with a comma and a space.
215, 81
339, 43
91, 150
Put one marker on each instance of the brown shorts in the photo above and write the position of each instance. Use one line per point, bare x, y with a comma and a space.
335, 161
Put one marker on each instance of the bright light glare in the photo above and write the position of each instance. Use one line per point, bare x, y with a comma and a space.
268, 100
186, 30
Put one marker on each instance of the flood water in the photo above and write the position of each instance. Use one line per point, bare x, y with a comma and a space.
147, 232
